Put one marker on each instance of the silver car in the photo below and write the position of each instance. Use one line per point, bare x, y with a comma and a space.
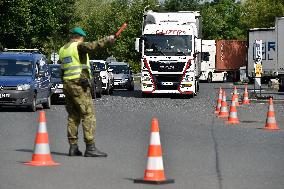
122, 74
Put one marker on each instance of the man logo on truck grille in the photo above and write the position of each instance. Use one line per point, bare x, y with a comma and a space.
1, 88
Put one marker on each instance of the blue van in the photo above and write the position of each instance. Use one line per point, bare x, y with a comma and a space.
24, 79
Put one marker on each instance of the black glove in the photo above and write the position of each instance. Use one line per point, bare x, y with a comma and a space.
85, 83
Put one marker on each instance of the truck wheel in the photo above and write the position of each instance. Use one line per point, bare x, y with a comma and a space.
47, 104
225, 78
209, 78
32, 107
145, 95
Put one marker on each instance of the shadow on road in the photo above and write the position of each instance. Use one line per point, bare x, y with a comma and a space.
138, 94
31, 151
17, 109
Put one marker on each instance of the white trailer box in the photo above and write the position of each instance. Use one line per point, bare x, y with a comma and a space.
269, 51
280, 44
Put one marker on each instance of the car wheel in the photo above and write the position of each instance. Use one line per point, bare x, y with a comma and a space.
107, 91
93, 92
32, 107
47, 104
99, 94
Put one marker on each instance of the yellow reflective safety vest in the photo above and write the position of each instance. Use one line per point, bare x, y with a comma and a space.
72, 68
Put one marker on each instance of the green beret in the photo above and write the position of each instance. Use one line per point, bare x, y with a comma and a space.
79, 31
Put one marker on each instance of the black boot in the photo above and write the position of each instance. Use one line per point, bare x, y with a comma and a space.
92, 151
74, 150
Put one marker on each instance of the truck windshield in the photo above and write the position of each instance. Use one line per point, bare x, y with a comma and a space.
15, 68
119, 69
168, 45
56, 72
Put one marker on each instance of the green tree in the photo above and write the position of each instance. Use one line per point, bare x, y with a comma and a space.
14, 23
182, 5
221, 20
261, 13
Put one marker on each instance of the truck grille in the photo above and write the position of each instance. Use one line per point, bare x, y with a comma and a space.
160, 79
7, 100
167, 66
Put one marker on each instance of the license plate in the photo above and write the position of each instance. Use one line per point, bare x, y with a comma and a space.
5, 95
58, 91
61, 95
167, 83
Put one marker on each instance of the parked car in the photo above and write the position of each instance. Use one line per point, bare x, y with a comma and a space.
106, 75
24, 79
122, 75
57, 83
96, 82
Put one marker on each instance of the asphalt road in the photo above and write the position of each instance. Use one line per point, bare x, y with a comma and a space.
199, 150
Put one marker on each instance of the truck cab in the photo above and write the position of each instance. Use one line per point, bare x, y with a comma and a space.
24, 79
170, 47
208, 70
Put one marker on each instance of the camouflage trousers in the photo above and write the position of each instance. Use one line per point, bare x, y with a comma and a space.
80, 108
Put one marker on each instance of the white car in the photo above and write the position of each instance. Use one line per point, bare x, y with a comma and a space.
106, 75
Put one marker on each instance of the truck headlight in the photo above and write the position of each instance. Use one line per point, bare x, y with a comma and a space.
23, 87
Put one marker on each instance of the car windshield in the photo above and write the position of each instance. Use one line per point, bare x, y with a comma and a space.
55, 72
99, 66
13, 67
168, 45
119, 69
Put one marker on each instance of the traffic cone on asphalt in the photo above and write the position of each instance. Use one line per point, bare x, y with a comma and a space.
236, 96
246, 96
219, 100
154, 174
41, 156
224, 109
270, 120
233, 115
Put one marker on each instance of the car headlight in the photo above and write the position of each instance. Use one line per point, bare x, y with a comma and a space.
23, 87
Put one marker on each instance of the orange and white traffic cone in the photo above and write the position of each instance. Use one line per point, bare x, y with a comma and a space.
246, 96
41, 156
219, 100
154, 174
236, 96
233, 115
270, 120
224, 109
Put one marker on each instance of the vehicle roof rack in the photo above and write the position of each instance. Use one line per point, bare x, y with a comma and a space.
22, 50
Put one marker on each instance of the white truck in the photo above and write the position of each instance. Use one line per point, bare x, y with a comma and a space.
106, 75
170, 47
208, 63
272, 51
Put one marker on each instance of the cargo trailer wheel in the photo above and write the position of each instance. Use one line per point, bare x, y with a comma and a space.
209, 78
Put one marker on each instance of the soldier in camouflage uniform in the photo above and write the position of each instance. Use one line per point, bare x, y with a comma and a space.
76, 82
